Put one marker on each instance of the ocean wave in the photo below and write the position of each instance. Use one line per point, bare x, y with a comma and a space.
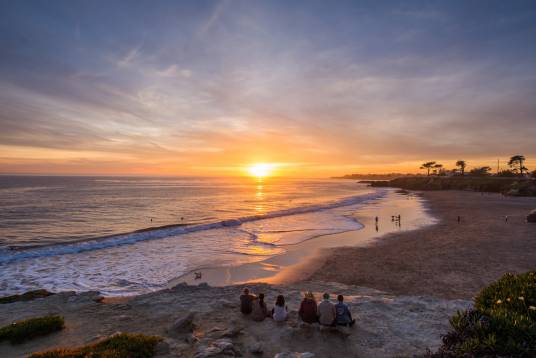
16, 254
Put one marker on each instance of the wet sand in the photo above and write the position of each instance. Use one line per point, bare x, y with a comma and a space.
288, 267
446, 260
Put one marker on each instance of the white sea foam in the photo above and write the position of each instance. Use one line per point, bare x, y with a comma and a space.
7, 256
144, 261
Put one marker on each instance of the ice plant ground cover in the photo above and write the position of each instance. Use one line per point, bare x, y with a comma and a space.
502, 322
121, 345
21, 331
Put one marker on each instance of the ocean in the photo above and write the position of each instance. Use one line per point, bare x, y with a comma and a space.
131, 235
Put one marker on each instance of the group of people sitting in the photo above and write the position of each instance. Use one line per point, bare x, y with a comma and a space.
325, 313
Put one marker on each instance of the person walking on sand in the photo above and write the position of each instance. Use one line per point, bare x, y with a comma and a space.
259, 311
344, 316
326, 312
246, 300
280, 311
308, 310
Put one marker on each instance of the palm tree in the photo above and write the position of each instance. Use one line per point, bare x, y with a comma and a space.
437, 168
462, 164
428, 166
516, 162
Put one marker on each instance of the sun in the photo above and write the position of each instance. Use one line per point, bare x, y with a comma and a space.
261, 170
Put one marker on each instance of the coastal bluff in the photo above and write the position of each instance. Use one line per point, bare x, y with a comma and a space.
203, 321
507, 186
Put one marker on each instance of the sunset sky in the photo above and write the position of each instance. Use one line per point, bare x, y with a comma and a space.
319, 88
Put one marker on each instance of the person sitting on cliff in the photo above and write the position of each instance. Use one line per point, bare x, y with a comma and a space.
326, 312
344, 316
280, 311
308, 310
259, 311
246, 300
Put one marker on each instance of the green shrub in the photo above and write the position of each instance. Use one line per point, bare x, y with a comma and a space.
28, 296
21, 331
123, 345
502, 323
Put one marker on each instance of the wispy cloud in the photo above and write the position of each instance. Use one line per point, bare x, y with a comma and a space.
215, 15
174, 71
221, 83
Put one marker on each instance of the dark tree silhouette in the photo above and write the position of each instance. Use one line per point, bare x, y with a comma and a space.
428, 166
516, 163
461, 164
506, 173
437, 168
480, 172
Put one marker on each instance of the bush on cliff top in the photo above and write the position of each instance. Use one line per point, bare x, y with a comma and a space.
509, 186
502, 323
123, 345
21, 331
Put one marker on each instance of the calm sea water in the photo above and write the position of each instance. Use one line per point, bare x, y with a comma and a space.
132, 235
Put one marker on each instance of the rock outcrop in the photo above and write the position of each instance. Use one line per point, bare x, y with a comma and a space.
183, 325
294, 355
408, 324
219, 347
531, 217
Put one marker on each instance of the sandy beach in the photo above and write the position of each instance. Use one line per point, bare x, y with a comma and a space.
449, 259
294, 263
402, 289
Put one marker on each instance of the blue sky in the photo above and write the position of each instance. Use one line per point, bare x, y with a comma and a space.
203, 87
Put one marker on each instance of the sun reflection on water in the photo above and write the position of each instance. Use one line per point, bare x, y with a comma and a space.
259, 195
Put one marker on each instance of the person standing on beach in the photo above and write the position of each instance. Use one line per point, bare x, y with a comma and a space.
344, 317
246, 300
326, 312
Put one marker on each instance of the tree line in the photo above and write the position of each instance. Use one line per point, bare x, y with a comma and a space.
516, 164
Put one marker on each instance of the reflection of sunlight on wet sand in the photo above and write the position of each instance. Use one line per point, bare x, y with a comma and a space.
282, 264
261, 251
270, 267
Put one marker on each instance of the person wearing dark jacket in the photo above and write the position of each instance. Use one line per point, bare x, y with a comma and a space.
344, 317
246, 300
308, 309
259, 309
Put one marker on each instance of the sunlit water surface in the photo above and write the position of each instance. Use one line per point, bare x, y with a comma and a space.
82, 233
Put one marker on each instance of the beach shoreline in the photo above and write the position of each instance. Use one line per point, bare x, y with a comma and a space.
260, 221
448, 259
287, 267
